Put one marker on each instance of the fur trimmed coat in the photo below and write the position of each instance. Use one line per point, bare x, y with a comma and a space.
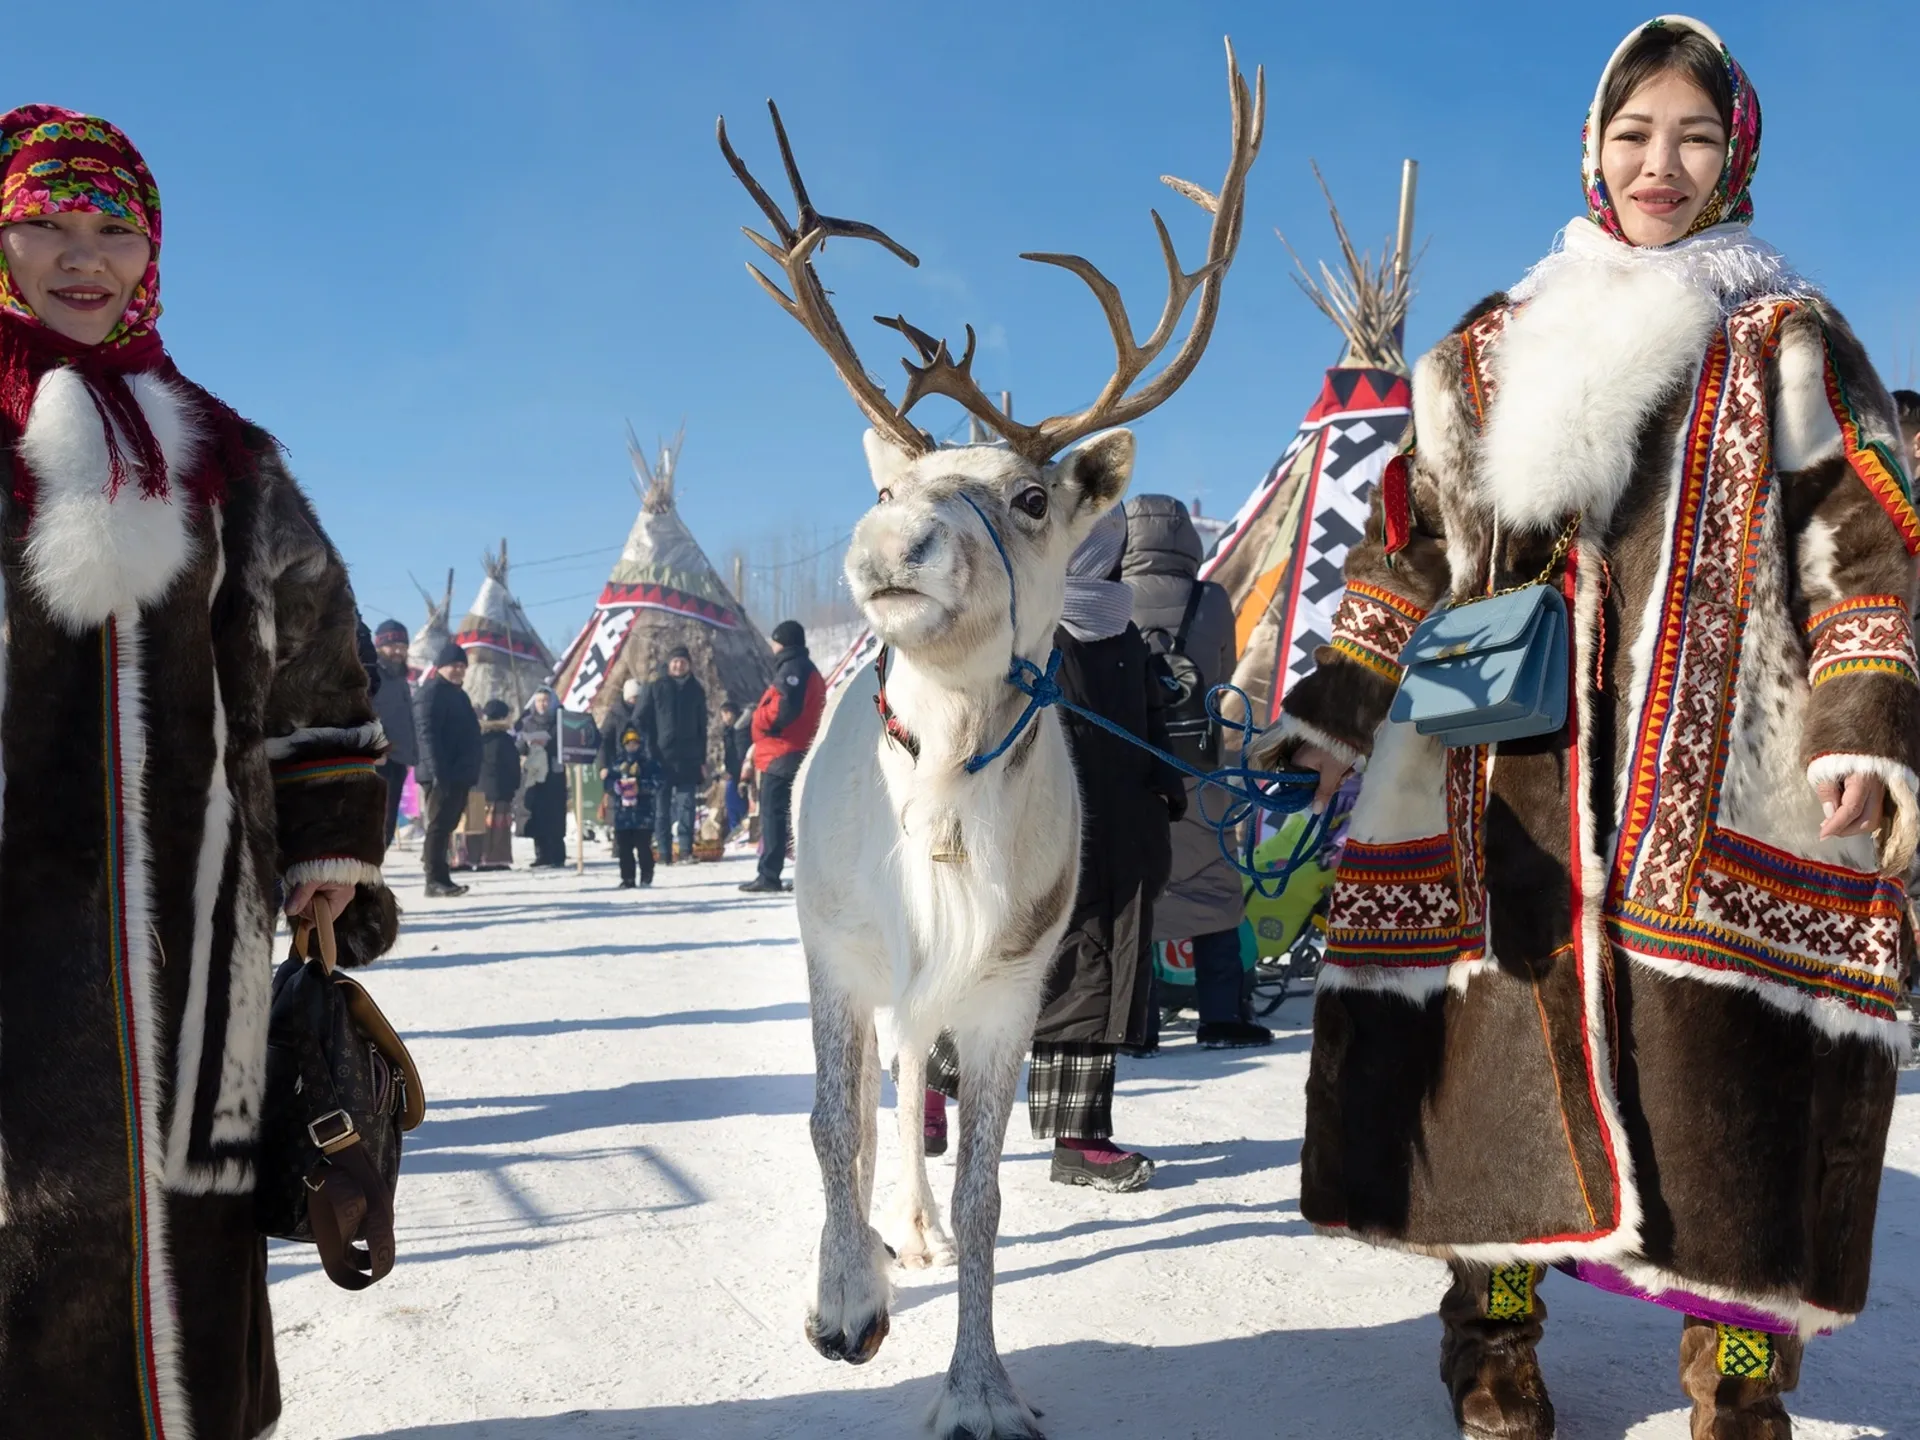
185, 731
1605, 998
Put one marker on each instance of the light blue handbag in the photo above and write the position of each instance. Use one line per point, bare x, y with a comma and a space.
1483, 671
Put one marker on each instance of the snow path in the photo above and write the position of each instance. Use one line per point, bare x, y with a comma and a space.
608, 1217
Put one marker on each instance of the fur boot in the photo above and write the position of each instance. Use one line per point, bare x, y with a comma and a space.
1494, 1318
1735, 1379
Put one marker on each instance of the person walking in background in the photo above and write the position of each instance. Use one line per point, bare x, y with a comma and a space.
630, 796
449, 764
1907, 402
499, 786
393, 701
672, 716
736, 741
620, 714
784, 724
1185, 617
546, 776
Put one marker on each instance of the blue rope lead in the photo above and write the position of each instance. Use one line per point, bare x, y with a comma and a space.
1269, 792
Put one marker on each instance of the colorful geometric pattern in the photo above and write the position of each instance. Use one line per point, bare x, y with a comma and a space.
1510, 1292
1865, 635
1872, 461
1743, 1354
335, 767
1372, 627
650, 596
1398, 906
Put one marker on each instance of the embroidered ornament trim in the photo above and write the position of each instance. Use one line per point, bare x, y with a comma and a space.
1743, 1354
1510, 1292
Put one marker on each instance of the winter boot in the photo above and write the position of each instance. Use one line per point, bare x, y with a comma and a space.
1493, 1318
1735, 1379
1101, 1165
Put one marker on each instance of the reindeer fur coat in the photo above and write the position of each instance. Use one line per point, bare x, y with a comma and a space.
184, 728
1604, 998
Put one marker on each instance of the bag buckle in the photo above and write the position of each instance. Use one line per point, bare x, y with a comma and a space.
333, 1131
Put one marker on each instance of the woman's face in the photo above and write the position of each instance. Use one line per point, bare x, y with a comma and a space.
542, 702
78, 271
1661, 158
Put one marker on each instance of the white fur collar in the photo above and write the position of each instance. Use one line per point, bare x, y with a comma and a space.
88, 556
1728, 263
1580, 368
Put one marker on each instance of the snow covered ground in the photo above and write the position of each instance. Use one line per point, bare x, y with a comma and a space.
608, 1217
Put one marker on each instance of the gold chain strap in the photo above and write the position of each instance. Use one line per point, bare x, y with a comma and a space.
1560, 549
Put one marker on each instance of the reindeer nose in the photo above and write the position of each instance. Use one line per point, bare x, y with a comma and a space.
921, 548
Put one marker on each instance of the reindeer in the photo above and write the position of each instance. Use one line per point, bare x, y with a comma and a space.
925, 883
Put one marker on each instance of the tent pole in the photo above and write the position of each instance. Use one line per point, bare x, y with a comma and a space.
579, 823
1403, 241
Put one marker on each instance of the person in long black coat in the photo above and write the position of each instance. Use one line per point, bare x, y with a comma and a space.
1099, 989
449, 735
546, 775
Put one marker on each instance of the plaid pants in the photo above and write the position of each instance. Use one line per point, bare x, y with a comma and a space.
1069, 1086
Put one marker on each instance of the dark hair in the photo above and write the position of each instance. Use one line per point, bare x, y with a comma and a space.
1907, 404
1660, 48
730, 704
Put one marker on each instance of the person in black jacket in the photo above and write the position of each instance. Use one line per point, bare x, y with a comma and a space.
393, 702
672, 716
545, 771
449, 736
620, 714
735, 740
499, 786
1099, 989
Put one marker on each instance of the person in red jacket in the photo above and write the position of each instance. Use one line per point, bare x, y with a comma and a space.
784, 723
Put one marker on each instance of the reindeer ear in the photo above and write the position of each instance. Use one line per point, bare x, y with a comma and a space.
886, 460
1099, 470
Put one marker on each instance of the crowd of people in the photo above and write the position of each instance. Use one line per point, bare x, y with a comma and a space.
485, 773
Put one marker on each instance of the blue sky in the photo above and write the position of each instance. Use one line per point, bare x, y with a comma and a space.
444, 250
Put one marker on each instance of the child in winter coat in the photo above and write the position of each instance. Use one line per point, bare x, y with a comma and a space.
492, 849
631, 788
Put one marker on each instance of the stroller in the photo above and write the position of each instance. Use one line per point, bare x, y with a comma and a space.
1290, 929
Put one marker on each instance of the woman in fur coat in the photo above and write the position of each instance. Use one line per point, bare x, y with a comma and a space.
186, 737
1621, 999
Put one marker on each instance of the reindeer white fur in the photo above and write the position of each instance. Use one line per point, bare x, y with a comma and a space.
940, 891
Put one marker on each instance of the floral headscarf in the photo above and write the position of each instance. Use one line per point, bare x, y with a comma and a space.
1732, 200
59, 162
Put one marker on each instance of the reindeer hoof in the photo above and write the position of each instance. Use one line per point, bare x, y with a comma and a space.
985, 1409
854, 1347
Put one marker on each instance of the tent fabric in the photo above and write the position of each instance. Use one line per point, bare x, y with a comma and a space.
664, 592
423, 651
506, 658
1282, 561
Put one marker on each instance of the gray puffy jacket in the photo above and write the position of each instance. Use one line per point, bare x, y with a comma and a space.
1162, 563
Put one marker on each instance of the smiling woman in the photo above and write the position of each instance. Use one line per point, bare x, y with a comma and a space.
1622, 998
185, 733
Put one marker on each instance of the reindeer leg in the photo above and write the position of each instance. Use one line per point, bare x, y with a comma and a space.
869, 1119
912, 1226
978, 1401
849, 1315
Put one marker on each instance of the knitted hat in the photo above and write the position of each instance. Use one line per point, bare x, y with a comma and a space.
390, 632
450, 654
791, 634
630, 736
494, 710
680, 652
630, 691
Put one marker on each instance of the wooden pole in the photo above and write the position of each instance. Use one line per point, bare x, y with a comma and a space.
579, 821
1403, 238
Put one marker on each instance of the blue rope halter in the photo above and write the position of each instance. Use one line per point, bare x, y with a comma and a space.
1271, 792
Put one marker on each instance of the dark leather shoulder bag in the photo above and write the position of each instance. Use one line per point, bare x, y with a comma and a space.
341, 1089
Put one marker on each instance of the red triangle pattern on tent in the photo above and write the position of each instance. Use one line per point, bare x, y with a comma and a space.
1348, 389
662, 597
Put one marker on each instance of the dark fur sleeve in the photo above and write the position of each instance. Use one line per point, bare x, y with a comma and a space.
323, 738
1853, 532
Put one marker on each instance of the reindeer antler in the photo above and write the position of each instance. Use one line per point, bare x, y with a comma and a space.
809, 304
940, 374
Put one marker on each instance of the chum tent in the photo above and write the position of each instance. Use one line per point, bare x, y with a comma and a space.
663, 592
423, 651
1282, 561
506, 658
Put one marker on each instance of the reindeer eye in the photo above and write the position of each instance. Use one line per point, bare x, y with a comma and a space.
1032, 501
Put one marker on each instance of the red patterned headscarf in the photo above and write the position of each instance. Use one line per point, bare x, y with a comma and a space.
1732, 199
59, 162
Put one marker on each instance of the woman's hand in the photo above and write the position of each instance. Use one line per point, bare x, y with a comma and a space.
300, 903
1854, 805
1333, 771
